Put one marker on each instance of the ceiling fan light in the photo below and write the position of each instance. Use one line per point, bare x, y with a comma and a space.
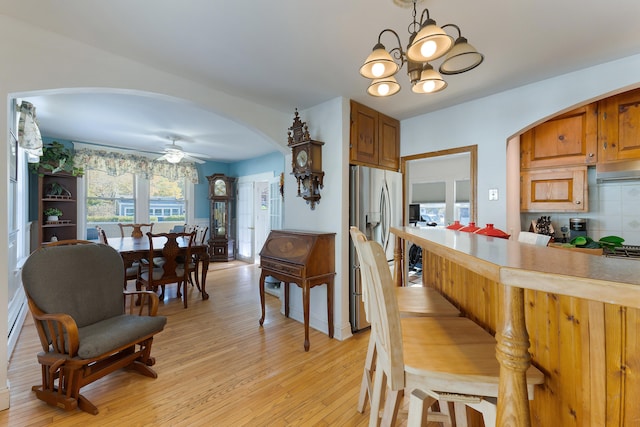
430, 43
461, 58
430, 81
174, 156
383, 87
379, 64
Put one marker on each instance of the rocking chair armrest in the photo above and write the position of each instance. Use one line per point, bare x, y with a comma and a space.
56, 329
141, 299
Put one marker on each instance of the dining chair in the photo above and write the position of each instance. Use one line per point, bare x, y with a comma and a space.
174, 267
130, 272
136, 229
430, 358
412, 301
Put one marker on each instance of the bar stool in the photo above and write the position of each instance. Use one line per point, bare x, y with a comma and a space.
416, 301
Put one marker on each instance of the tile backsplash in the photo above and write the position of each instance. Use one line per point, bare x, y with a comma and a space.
614, 209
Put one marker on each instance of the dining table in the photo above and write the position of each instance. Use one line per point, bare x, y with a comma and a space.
133, 249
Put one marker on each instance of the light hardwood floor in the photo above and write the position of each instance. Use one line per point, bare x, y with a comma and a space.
216, 367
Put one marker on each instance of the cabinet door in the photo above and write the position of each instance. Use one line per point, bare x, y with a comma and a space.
554, 190
619, 127
364, 135
566, 140
389, 142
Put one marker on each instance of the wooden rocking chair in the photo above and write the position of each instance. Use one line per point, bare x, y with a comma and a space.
79, 308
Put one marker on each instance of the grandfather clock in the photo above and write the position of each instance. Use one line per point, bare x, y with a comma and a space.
221, 240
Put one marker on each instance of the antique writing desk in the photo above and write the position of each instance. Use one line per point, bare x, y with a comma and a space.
304, 258
133, 249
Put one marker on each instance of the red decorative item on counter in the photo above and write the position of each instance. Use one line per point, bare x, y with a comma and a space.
455, 226
471, 228
489, 230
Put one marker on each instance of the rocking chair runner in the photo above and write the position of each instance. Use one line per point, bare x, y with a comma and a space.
76, 299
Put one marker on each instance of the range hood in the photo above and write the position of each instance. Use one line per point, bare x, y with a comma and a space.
624, 170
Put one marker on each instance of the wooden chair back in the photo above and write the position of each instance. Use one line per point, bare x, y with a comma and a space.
136, 229
175, 265
102, 236
384, 315
200, 230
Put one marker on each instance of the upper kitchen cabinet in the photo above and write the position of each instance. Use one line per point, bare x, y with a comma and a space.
619, 127
566, 140
554, 190
375, 138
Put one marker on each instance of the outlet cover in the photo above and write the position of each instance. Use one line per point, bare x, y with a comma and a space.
493, 194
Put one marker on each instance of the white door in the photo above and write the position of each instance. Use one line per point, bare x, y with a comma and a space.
245, 236
261, 209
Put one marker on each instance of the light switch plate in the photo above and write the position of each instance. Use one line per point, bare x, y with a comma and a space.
493, 194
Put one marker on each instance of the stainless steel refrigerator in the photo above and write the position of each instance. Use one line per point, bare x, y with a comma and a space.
375, 206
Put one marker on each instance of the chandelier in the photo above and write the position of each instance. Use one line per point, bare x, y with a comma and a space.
427, 42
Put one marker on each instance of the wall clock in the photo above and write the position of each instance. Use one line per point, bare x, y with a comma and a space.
306, 161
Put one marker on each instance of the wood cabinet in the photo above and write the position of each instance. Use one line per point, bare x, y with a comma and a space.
221, 195
566, 140
619, 127
375, 138
554, 190
57, 191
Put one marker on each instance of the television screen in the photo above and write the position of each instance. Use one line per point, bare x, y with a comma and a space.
414, 212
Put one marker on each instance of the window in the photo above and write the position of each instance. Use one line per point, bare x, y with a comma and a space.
167, 202
125, 199
110, 199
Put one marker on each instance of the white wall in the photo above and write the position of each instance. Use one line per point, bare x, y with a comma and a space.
489, 122
329, 123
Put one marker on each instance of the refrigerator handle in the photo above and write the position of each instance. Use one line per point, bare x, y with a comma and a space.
385, 215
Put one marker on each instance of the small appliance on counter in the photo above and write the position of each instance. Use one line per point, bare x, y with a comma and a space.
577, 227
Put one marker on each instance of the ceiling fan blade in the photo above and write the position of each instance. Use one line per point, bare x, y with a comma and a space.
193, 159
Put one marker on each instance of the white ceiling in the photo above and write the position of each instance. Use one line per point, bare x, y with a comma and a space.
289, 54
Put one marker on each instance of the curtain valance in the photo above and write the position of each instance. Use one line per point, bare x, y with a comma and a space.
115, 164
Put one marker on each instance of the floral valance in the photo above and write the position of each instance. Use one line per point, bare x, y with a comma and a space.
115, 164
29, 136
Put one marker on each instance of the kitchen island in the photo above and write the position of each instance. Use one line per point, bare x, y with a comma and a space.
574, 315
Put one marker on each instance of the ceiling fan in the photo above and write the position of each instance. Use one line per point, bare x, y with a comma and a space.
173, 153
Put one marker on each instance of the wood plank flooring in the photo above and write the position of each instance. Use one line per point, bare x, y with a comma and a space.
216, 367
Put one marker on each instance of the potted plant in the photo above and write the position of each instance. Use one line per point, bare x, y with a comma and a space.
52, 214
56, 158
55, 189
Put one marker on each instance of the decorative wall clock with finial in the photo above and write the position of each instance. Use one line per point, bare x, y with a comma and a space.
306, 161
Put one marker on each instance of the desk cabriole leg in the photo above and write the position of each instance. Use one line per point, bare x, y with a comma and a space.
512, 352
262, 277
305, 302
330, 306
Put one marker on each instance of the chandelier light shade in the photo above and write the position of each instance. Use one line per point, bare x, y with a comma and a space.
461, 58
379, 64
427, 42
430, 81
430, 43
383, 87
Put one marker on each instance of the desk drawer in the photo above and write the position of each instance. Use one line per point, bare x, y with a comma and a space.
279, 267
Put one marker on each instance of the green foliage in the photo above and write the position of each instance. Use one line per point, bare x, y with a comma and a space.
52, 212
56, 158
